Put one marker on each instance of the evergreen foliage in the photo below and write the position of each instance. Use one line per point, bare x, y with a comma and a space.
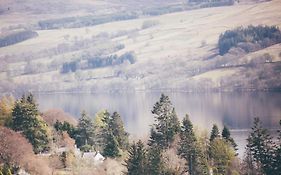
113, 125
117, 126
136, 162
114, 135
85, 131
214, 133
260, 148
264, 36
111, 146
226, 135
26, 119
166, 124
65, 126
155, 164
188, 148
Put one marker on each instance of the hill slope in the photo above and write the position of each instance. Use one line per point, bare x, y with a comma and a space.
176, 51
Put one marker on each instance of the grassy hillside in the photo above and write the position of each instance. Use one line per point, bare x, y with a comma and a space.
176, 51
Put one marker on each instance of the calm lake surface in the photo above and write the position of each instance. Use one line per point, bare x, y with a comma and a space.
236, 110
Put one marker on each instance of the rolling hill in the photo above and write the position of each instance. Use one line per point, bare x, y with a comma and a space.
171, 51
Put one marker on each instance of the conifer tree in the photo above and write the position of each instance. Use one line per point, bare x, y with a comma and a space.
226, 135
166, 124
248, 165
118, 130
26, 119
189, 150
187, 145
155, 164
260, 145
111, 146
85, 131
214, 133
136, 163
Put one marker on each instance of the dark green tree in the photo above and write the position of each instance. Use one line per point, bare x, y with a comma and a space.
136, 162
26, 119
65, 126
85, 131
260, 145
248, 165
214, 133
189, 150
166, 124
111, 146
117, 126
187, 145
226, 135
155, 164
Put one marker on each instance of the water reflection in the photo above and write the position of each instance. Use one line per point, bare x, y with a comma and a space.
236, 110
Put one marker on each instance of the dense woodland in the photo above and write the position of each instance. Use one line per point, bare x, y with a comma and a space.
99, 62
250, 39
173, 147
16, 37
92, 20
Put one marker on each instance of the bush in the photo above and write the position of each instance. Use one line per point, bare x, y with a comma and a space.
249, 39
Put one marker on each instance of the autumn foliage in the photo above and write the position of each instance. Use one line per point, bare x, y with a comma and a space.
18, 152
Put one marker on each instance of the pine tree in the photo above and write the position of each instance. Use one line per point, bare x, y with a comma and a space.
118, 130
214, 133
85, 131
166, 123
174, 124
26, 119
248, 164
187, 145
226, 135
136, 163
111, 146
155, 165
260, 145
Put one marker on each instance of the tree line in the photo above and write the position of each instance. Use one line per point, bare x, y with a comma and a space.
98, 62
173, 147
249, 38
216, 155
16, 37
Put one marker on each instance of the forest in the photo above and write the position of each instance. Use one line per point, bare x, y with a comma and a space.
250, 39
16, 37
30, 138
